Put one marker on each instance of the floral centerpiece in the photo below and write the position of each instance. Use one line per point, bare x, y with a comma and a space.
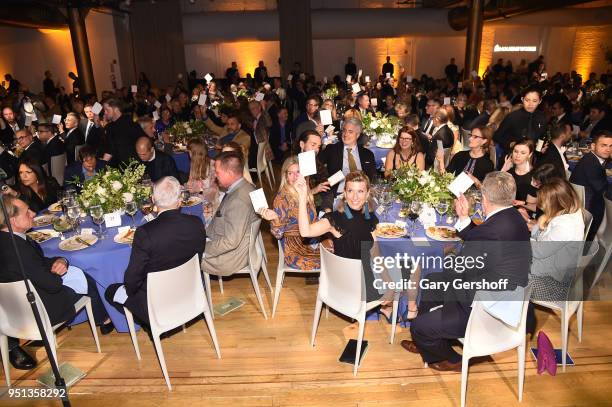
331, 92
184, 131
426, 186
383, 126
112, 187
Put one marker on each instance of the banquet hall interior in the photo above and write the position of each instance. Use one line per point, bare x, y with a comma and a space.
181, 186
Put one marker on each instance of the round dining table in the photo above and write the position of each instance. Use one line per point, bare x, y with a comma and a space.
106, 261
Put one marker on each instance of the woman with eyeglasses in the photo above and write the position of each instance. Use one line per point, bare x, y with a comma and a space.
475, 161
407, 151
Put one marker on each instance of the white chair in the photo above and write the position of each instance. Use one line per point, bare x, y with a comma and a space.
341, 287
58, 166
580, 191
604, 237
262, 248
486, 335
573, 303
587, 218
280, 275
17, 320
174, 297
252, 268
262, 164
465, 138
77, 149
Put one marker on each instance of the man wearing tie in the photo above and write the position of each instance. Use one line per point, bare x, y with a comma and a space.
427, 130
72, 136
91, 130
347, 156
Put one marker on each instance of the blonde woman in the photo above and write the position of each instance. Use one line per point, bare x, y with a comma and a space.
554, 264
450, 113
300, 253
497, 117
201, 172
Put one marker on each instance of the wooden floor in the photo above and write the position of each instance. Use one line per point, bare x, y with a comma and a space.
270, 362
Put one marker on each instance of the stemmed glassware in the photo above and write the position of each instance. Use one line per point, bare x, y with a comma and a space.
73, 213
97, 216
415, 212
185, 195
131, 208
385, 201
441, 208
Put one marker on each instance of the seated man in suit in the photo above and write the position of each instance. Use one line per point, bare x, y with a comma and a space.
11, 126
84, 169
590, 172
434, 331
53, 145
554, 154
231, 132
31, 147
228, 248
45, 273
158, 164
72, 137
166, 242
347, 156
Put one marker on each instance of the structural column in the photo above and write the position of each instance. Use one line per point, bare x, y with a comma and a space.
473, 38
295, 33
80, 47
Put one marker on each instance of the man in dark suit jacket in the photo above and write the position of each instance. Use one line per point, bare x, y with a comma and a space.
8, 163
281, 137
44, 273
597, 120
164, 243
590, 172
121, 134
91, 131
337, 157
72, 137
560, 135
31, 146
158, 164
11, 126
483, 118
53, 145
504, 237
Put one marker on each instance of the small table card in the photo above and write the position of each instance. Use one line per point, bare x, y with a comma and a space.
367, 78
447, 101
96, 108
56, 119
289, 77
460, 184
356, 88
86, 231
539, 145
409, 78
134, 88
334, 179
258, 199
349, 78
202, 99
374, 102
112, 219
157, 104
155, 115
388, 75
208, 77
259, 97
308, 164
326, 116
168, 97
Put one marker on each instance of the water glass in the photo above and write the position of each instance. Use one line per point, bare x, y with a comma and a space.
73, 213
97, 216
131, 208
441, 208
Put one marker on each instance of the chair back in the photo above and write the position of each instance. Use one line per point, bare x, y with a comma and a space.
262, 163
255, 250
58, 166
588, 221
175, 296
465, 138
77, 149
604, 234
16, 316
576, 292
580, 191
486, 335
341, 284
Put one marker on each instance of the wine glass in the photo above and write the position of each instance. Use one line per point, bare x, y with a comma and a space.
97, 216
185, 195
441, 208
131, 208
415, 211
73, 213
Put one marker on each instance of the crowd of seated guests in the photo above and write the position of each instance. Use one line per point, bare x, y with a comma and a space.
500, 119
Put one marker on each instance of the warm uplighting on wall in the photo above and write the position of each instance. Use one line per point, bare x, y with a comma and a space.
486, 49
588, 49
59, 31
393, 47
247, 55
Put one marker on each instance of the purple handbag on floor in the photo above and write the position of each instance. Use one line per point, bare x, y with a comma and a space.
546, 355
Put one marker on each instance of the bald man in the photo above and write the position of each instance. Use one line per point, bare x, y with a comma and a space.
157, 163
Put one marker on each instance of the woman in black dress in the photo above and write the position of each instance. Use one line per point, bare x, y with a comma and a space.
475, 162
350, 226
34, 187
407, 151
518, 164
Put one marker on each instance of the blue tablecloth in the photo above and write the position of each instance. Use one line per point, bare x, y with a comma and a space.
106, 261
379, 154
182, 162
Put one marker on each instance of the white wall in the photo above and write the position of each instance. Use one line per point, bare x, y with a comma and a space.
27, 53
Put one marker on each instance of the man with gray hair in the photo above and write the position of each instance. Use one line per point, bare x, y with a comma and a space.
72, 137
166, 242
347, 156
502, 242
